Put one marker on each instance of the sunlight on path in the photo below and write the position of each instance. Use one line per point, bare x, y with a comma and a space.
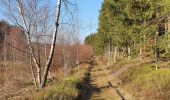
103, 85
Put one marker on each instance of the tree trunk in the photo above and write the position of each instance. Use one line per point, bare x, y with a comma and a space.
167, 46
27, 32
144, 40
32, 72
140, 50
140, 53
118, 53
156, 52
157, 57
123, 52
115, 54
109, 52
78, 59
38, 59
65, 64
129, 53
46, 69
5, 57
46, 59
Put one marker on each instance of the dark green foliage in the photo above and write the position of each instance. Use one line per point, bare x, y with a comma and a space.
126, 22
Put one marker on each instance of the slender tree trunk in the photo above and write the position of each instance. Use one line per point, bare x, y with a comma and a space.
168, 44
118, 53
46, 69
65, 62
140, 53
140, 50
38, 47
156, 52
15, 74
21, 73
144, 40
32, 72
78, 59
13, 57
115, 54
27, 32
129, 53
50, 75
109, 52
5, 57
38, 59
123, 52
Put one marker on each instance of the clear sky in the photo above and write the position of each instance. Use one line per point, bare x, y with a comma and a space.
88, 13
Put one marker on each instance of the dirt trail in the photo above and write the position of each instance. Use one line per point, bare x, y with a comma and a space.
103, 86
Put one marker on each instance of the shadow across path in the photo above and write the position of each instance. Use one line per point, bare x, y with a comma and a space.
88, 87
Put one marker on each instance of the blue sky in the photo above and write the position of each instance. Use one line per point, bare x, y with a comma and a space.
88, 13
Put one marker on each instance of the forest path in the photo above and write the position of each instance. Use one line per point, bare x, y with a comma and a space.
104, 86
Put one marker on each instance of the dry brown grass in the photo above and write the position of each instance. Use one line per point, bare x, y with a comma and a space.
14, 78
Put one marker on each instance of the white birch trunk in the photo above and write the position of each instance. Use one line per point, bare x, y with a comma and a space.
32, 72
45, 49
46, 69
27, 32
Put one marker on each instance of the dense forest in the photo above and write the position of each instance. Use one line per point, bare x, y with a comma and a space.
131, 24
136, 33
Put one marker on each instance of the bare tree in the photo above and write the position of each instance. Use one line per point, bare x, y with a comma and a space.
27, 15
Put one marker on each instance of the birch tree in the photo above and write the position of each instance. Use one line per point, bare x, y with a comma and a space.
26, 14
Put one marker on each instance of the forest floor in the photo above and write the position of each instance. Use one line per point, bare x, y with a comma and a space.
104, 86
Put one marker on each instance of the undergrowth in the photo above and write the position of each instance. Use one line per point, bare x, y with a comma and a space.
146, 82
67, 88
134, 72
155, 84
60, 91
122, 63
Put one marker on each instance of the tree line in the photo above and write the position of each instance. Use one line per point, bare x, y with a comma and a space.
132, 28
